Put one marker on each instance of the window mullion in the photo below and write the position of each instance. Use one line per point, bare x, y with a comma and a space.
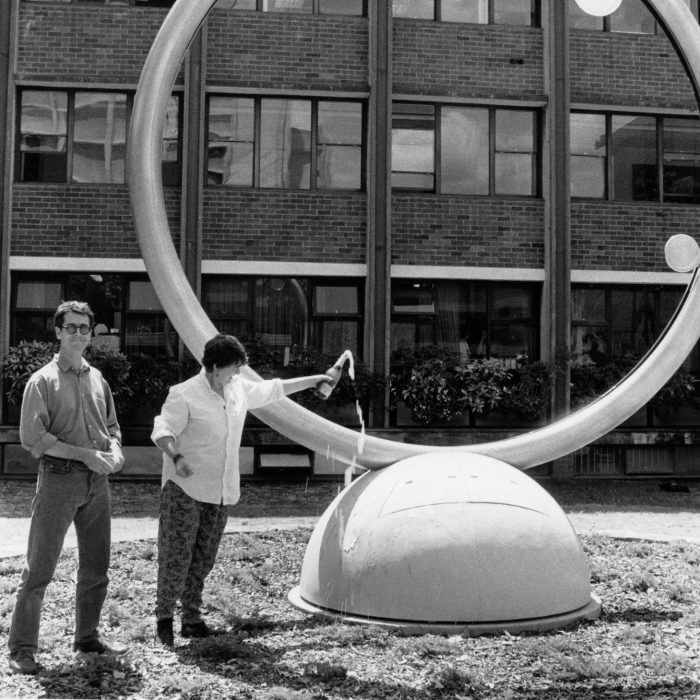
609, 164
256, 141
313, 145
437, 146
492, 152
660, 158
70, 127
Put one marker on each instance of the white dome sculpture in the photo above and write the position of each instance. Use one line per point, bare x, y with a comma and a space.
447, 543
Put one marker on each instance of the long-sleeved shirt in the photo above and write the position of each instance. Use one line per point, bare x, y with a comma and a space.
74, 407
207, 429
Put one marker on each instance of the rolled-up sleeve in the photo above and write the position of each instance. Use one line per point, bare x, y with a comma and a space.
34, 419
261, 393
173, 416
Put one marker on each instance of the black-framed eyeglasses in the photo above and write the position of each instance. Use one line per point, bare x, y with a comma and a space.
71, 328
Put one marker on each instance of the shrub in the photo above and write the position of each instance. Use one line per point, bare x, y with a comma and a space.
20, 362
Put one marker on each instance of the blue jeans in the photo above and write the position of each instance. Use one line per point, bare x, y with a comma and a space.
65, 492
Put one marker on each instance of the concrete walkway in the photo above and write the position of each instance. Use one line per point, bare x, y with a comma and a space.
622, 524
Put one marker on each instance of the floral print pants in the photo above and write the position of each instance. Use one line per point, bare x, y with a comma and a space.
189, 534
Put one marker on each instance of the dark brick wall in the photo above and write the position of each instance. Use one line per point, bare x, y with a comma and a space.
640, 70
442, 58
284, 225
629, 236
78, 221
451, 231
288, 51
83, 44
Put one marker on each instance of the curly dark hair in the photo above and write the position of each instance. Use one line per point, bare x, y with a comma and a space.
222, 351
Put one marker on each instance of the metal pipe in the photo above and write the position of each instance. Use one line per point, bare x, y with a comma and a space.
182, 306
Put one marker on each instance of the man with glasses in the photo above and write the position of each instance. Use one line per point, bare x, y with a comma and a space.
69, 423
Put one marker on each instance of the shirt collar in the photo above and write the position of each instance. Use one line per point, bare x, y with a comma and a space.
65, 366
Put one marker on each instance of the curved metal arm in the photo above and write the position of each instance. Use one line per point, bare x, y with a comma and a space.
195, 328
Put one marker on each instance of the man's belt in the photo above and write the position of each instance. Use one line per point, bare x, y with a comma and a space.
58, 465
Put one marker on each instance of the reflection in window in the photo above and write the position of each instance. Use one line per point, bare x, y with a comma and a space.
170, 145
519, 12
464, 150
414, 9
288, 6
323, 7
88, 131
286, 312
635, 170
588, 155
413, 146
43, 136
339, 145
515, 157
475, 12
468, 319
483, 151
580, 19
99, 137
635, 142
681, 162
302, 144
231, 138
633, 18
285, 143
611, 323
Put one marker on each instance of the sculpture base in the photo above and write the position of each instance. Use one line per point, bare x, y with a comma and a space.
591, 611
447, 543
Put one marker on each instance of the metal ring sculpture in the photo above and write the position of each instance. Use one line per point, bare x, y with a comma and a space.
194, 327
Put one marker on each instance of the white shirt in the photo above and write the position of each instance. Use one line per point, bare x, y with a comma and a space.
207, 429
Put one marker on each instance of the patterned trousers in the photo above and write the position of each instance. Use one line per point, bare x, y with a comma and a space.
189, 534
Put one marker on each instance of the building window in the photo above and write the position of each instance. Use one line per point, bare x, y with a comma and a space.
482, 151
128, 315
285, 143
80, 136
137, 3
612, 323
317, 7
284, 313
468, 319
651, 158
632, 17
413, 146
515, 12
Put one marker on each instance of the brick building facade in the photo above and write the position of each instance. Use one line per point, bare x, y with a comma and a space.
379, 176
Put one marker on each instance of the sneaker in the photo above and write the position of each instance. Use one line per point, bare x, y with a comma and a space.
165, 632
22, 661
98, 646
198, 629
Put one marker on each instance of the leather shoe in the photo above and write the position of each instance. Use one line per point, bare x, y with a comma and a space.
165, 632
98, 646
22, 661
198, 629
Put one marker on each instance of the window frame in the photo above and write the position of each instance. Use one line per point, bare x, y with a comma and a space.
425, 318
605, 22
660, 121
314, 145
535, 15
492, 110
63, 279
70, 94
314, 320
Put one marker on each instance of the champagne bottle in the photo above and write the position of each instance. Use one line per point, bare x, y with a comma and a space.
325, 388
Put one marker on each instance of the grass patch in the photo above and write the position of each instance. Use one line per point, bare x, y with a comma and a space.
645, 645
